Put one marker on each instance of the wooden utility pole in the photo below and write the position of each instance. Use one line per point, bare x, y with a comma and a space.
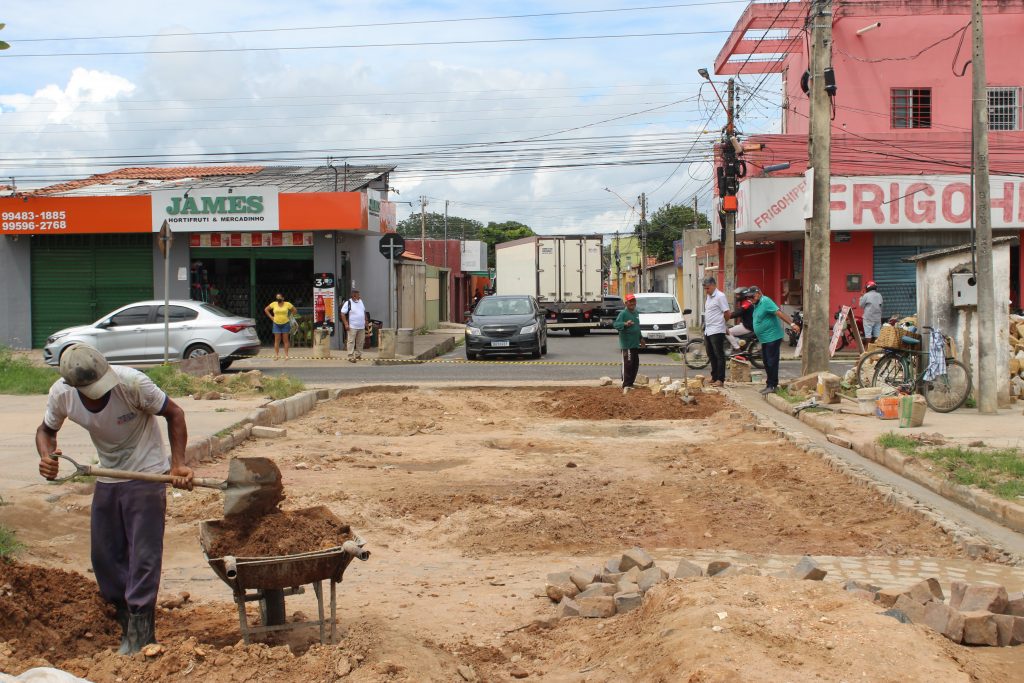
729, 260
642, 285
817, 247
988, 399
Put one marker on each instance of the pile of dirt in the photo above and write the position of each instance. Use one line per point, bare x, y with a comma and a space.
745, 628
52, 613
279, 533
608, 403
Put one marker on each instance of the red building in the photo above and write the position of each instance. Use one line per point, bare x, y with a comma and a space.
901, 142
466, 263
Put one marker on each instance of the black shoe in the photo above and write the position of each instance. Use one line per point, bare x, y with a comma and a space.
768, 390
141, 630
122, 620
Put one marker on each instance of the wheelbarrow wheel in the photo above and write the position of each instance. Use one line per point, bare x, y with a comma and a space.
272, 608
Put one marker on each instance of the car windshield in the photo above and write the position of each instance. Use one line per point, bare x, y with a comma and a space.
216, 310
657, 304
503, 307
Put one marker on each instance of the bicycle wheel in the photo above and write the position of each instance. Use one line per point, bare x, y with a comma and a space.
947, 392
865, 369
695, 355
891, 371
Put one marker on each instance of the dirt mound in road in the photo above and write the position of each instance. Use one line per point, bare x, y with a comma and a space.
746, 629
279, 533
52, 613
608, 403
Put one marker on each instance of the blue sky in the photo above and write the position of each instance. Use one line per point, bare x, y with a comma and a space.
64, 111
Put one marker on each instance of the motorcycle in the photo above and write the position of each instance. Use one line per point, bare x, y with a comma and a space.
798, 318
750, 350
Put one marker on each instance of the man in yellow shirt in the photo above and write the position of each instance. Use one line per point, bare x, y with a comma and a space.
280, 313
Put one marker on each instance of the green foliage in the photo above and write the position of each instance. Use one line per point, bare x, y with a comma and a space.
666, 225
281, 386
176, 384
18, 375
9, 544
458, 227
903, 444
496, 233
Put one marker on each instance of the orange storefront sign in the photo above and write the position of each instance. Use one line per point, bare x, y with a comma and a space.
95, 215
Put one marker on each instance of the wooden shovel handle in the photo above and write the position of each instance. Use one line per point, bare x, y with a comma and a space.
146, 476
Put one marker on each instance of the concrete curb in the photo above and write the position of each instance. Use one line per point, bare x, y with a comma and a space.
434, 351
276, 412
967, 538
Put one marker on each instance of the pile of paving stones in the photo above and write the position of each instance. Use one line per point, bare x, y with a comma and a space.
975, 614
666, 386
620, 586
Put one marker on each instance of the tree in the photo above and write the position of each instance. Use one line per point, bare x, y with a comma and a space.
458, 227
666, 225
496, 233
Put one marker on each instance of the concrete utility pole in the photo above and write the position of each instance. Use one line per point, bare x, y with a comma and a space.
423, 227
988, 400
817, 247
446, 233
642, 285
729, 260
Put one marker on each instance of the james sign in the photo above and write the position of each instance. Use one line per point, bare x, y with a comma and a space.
216, 209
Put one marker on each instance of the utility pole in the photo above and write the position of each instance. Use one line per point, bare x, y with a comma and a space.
446, 233
729, 260
643, 242
423, 253
988, 399
817, 247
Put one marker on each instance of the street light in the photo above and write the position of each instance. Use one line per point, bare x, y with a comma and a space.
632, 206
707, 77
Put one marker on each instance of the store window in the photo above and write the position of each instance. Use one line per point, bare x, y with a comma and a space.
1004, 108
911, 107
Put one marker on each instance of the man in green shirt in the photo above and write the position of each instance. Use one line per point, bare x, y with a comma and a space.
630, 342
769, 332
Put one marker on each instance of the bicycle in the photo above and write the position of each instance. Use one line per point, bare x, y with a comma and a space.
695, 353
943, 394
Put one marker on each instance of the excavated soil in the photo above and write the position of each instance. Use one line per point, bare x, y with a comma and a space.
279, 533
467, 499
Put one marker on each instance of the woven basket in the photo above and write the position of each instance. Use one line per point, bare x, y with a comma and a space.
888, 338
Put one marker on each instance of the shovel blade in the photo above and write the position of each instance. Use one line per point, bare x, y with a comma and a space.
253, 487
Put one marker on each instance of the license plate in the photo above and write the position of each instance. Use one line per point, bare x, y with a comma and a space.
570, 310
655, 335
504, 343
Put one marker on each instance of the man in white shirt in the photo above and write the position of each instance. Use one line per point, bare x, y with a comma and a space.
353, 316
716, 310
118, 407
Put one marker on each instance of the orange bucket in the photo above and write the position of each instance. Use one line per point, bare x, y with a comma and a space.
888, 408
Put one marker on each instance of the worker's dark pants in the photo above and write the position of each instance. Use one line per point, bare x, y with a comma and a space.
128, 541
715, 344
770, 353
630, 366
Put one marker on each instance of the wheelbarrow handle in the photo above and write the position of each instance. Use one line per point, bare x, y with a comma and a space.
146, 476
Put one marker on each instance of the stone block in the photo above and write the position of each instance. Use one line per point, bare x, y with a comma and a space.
987, 598
857, 584
665, 379
627, 587
627, 602
686, 569
926, 591
980, 628
862, 594
596, 607
1009, 629
583, 577
200, 366
749, 571
887, 596
568, 608
649, 578
612, 565
912, 608
611, 577
559, 586
605, 381
654, 388
956, 593
1015, 605
598, 590
945, 620
808, 569
269, 432
805, 383
642, 380
717, 566
637, 557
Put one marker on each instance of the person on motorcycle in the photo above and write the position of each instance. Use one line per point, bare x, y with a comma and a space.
744, 313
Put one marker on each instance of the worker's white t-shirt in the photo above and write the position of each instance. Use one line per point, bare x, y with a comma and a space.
356, 312
126, 432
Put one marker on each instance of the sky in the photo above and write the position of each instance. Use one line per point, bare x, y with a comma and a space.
532, 131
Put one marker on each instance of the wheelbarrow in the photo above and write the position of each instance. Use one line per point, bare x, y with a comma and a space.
270, 579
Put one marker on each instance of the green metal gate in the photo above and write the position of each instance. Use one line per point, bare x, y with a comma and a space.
78, 278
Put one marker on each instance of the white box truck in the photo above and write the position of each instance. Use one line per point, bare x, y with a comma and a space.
563, 272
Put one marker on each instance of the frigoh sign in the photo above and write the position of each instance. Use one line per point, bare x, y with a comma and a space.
216, 209
878, 203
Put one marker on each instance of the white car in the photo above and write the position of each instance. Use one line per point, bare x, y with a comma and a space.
662, 324
135, 334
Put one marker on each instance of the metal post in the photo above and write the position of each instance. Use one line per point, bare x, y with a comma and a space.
642, 285
729, 227
817, 250
988, 399
167, 299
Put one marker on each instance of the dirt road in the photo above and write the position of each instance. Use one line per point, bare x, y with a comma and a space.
468, 498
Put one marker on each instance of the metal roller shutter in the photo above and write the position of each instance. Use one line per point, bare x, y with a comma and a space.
896, 280
78, 278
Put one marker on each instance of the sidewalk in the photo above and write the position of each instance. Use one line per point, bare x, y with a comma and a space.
425, 346
21, 415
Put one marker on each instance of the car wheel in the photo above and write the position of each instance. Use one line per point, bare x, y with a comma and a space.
470, 355
577, 331
225, 364
536, 354
197, 351
544, 347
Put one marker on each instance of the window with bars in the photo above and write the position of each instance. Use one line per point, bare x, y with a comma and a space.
911, 107
1004, 108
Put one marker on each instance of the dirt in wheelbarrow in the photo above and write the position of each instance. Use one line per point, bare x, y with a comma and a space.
280, 533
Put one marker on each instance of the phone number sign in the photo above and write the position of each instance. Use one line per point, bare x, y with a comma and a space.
74, 215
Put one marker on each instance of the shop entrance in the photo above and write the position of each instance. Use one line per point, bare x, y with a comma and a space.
245, 280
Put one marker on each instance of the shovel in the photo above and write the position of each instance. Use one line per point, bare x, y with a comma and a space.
253, 485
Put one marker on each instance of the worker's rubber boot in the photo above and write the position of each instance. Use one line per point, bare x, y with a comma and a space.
121, 615
141, 630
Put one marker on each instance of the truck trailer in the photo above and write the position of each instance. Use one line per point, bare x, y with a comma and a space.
563, 272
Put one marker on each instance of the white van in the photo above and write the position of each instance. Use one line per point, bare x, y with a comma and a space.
662, 324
